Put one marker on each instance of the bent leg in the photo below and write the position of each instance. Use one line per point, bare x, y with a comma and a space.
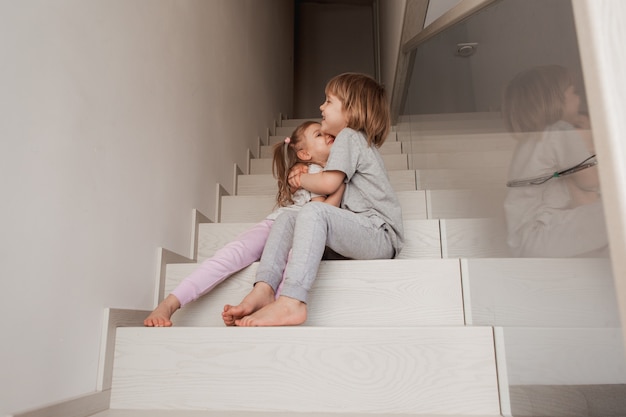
234, 256
269, 272
320, 225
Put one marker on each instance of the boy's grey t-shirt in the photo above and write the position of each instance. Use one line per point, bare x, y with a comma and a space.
368, 190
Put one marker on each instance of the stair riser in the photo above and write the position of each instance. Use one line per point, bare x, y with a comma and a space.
389, 293
410, 370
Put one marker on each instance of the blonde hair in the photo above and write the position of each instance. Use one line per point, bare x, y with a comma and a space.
365, 104
534, 99
285, 157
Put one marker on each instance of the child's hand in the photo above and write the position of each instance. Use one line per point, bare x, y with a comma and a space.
294, 175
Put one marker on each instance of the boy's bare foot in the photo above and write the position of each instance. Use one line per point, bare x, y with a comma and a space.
161, 315
285, 311
261, 295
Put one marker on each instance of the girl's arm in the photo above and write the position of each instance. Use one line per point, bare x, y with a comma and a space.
326, 182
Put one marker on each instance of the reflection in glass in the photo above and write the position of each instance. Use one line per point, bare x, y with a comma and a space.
501, 142
553, 206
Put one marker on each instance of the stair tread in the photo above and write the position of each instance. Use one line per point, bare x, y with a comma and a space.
231, 413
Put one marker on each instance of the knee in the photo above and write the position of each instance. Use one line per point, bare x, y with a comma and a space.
314, 209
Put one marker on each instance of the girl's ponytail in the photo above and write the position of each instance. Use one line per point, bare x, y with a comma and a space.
284, 158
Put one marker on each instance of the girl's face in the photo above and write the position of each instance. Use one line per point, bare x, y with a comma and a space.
571, 104
315, 145
334, 118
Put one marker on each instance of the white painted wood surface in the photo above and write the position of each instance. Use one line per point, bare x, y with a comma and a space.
464, 203
564, 356
390, 293
307, 369
221, 413
393, 161
474, 238
449, 179
422, 238
461, 159
389, 147
254, 208
265, 184
541, 292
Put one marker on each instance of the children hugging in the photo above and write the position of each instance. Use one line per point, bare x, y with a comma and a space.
333, 191
307, 146
367, 225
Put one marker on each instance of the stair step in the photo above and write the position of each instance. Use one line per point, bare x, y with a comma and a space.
540, 292
221, 413
254, 208
466, 203
389, 147
450, 179
390, 293
568, 400
297, 122
474, 238
461, 160
392, 162
460, 116
265, 184
422, 239
433, 204
282, 132
460, 143
404, 180
562, 356
440, 204
437, 370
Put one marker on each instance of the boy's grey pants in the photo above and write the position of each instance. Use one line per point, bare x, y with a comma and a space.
306, 233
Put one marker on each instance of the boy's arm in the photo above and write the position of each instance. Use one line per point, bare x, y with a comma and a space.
335, 198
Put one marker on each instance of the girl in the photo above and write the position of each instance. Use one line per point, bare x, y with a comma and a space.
308, 146
356, 112
553, 206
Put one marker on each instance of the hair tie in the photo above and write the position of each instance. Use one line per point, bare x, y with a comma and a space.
286, 149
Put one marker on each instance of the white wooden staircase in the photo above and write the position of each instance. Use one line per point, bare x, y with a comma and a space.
453, 327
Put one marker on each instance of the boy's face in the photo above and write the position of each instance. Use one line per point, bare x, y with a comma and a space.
333, 116
316, 145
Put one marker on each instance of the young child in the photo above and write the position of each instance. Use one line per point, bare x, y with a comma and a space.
307, 145
549, 214
367, 226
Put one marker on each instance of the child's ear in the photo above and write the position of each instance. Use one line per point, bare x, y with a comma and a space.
303, 155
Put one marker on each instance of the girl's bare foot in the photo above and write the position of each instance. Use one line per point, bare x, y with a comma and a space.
261, 295
285, 311
161, 315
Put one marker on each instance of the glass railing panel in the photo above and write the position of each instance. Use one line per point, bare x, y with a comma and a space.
496, 126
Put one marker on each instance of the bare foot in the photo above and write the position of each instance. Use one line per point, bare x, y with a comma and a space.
161, 315
261, 295
285, 311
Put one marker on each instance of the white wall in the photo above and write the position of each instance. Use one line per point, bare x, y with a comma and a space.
391, 18
118, 118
